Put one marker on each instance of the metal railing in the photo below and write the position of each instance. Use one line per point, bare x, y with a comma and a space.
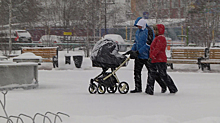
20, 117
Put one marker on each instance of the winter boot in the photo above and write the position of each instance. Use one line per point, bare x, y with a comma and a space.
173, 92
163, 90
149, 90
136, 91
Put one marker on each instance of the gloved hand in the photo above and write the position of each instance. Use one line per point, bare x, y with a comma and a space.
128, 52
149, 60
134, 54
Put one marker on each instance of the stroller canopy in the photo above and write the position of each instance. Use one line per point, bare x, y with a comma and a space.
105, 54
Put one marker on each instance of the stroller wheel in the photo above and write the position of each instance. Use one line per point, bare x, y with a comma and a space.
123, 87
112, 89
92, 88
101, 89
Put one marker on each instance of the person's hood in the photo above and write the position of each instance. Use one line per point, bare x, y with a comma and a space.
142, 23
136, 21
161, 29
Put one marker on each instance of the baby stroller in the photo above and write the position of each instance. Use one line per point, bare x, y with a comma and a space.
105, 55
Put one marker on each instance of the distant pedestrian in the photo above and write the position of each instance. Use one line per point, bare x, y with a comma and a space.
158, 59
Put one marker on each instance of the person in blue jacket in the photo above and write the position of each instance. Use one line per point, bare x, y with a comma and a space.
140, 52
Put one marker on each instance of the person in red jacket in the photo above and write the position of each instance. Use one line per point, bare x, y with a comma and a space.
158, 61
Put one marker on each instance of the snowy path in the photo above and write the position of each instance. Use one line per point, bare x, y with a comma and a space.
67, 91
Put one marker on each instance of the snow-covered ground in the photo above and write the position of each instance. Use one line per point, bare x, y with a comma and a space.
65, 89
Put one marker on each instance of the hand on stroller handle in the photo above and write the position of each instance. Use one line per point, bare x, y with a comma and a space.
127, 53
133, 54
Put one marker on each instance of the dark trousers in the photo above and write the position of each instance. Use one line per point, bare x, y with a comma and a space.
161, 69
138, 66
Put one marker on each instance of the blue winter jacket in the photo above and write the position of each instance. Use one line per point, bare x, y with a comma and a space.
140, 43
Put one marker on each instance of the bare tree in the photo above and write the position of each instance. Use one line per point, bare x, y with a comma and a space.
22, 11
17, 12
91, 17
203, 21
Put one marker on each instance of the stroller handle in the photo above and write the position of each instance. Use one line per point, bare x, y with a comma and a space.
113, 72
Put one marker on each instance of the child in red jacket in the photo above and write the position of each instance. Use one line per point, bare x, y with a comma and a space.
158, 61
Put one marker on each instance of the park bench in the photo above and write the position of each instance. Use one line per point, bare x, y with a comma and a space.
48, 54
212, 56
185, 55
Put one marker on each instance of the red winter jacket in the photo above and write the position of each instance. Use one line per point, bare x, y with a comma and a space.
158, 46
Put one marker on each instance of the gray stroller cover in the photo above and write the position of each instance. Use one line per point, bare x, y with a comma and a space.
105, 54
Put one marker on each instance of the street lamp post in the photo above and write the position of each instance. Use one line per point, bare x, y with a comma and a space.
105, 19
10, 16
106, 13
